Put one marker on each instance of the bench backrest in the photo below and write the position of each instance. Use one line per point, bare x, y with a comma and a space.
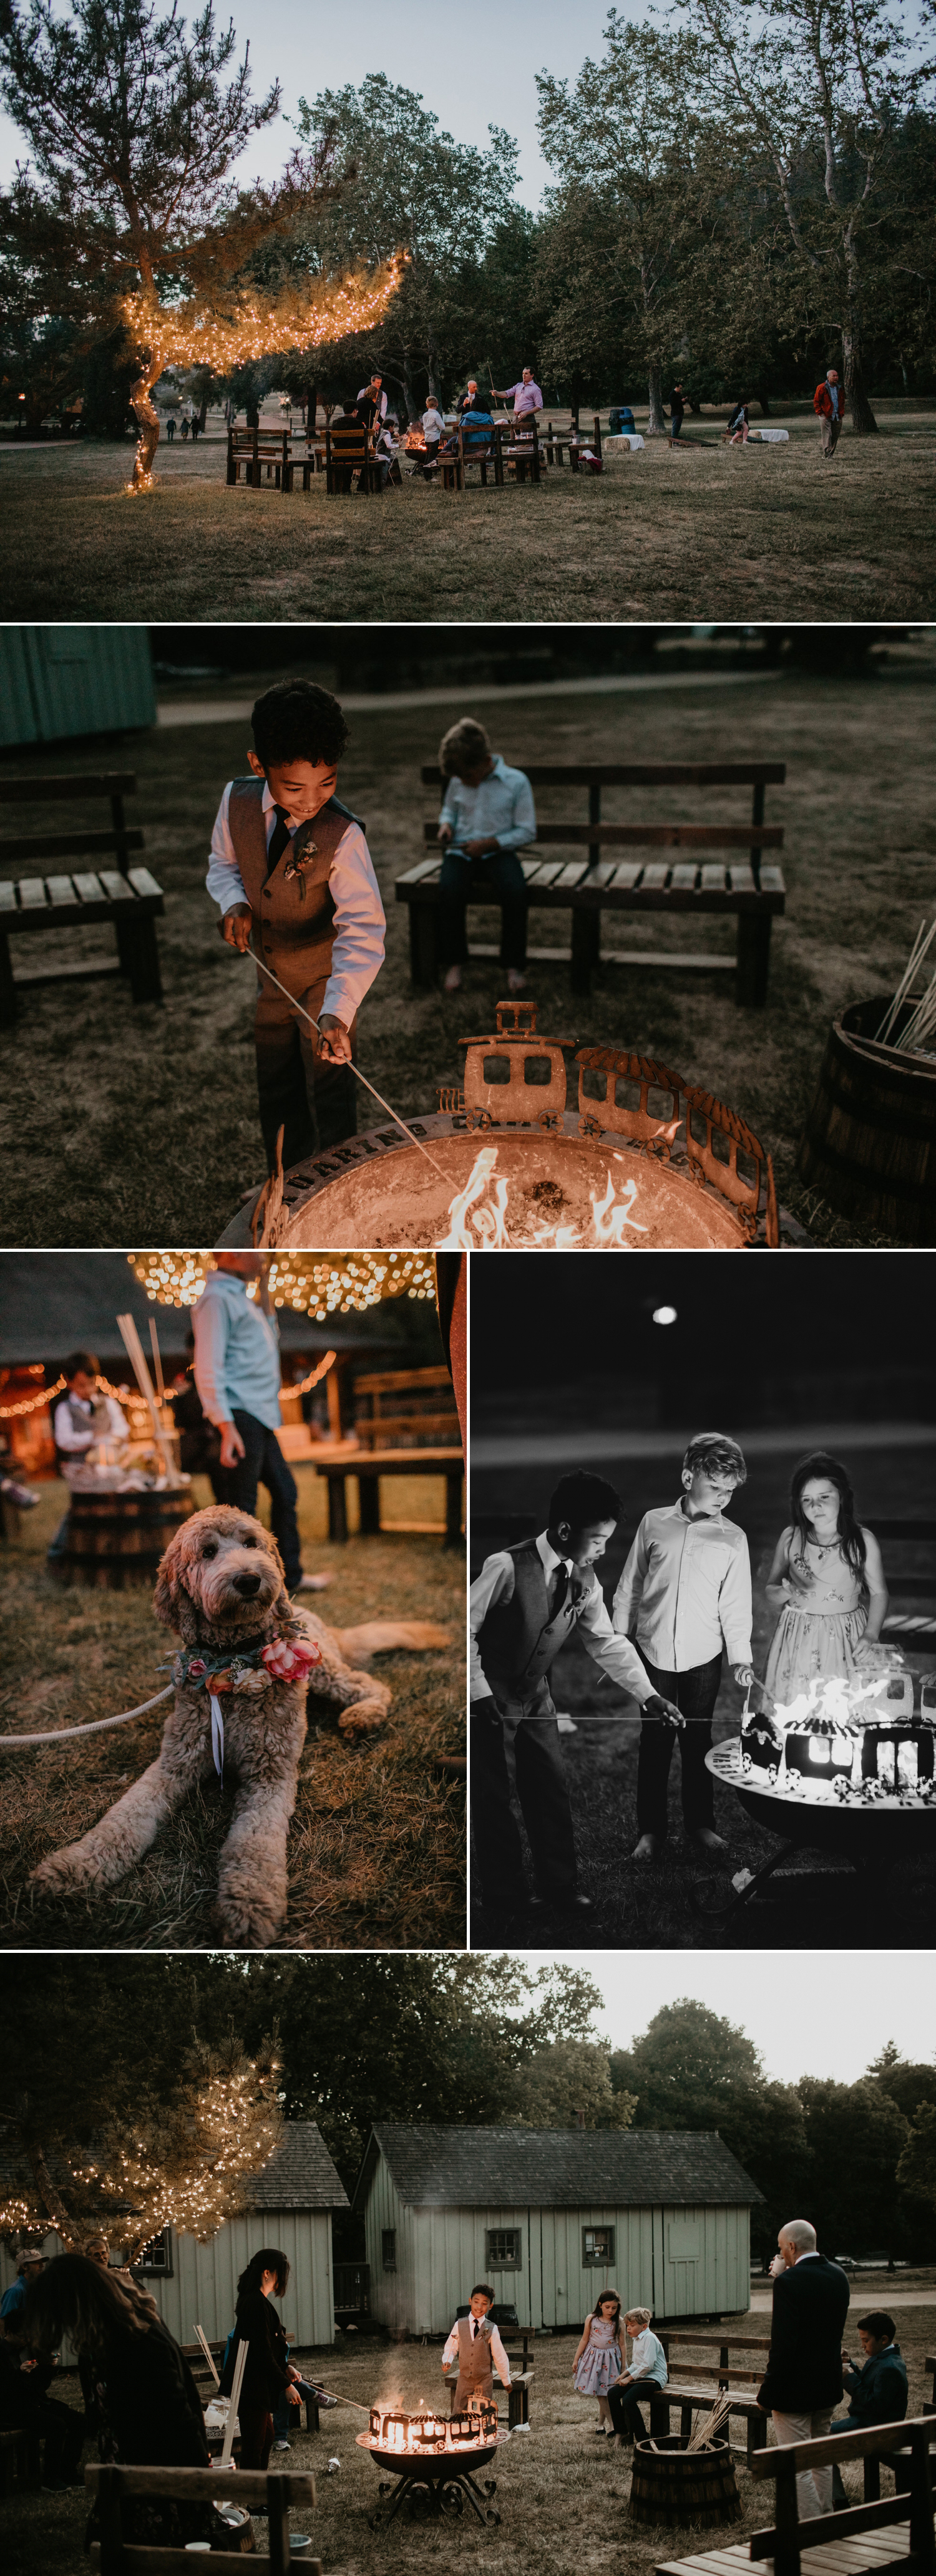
112, 784
788, 2461
415, 1402
594, 775
114, 2488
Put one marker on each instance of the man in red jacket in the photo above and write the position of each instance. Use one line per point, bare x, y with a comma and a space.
827, 401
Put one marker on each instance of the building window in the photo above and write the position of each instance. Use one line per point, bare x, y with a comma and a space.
502, 2249
597, 2246
157, 2255
388, 2249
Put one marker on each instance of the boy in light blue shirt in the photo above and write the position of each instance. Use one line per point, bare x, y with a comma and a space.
487, 813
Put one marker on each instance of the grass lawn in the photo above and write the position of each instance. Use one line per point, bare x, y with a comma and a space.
562, 2495
127, 1127
700, 531
806, 1903
376, 1842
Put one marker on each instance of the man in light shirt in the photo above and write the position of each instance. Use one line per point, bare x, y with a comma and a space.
237, 1373
685, 1595
525, 1604
487, 813
476, 2346
292, 873
525, 396
85, 1420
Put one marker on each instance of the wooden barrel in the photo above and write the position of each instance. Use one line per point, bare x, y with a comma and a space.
114, 1542
869, 1143
672, 2484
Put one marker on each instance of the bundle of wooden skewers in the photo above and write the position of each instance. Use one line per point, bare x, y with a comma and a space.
707, 2427
921, 1025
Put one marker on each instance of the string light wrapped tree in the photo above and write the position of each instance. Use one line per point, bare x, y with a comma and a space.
133, 124
181, 2155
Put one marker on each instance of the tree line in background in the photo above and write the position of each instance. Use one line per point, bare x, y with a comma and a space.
184, 2067
738, 199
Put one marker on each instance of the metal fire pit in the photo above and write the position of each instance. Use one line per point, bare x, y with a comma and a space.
883, 1809
647, 1163
432, 2458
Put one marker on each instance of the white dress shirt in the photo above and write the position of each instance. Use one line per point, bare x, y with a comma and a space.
495, 1585
66, 1436
365, 395
502, 804
687, 1585
498, 2355
358, 951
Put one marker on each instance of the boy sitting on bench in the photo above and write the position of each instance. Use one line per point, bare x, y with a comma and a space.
487, 813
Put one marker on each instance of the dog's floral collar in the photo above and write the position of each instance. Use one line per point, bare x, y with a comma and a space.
281, 1661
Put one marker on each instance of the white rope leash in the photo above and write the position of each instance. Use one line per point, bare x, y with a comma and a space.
94, 1726
361, 1077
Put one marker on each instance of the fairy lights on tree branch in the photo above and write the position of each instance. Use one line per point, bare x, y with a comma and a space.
187, 2166
303, 1282
193, 334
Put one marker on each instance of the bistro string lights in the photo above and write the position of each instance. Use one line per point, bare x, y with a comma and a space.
302, 1282
191, 335
186, 2166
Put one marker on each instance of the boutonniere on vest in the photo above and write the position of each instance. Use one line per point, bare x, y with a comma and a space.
295, 865
285, 1660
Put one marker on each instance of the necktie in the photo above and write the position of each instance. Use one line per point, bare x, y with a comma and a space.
560, 1587
280, 840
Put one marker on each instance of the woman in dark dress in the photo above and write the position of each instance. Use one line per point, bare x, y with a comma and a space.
268, 2372
149, 2409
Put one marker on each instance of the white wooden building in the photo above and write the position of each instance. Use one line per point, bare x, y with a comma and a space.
291, 2206
549, 2217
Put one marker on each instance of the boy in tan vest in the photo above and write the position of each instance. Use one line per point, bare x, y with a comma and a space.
292, 873
476, 2345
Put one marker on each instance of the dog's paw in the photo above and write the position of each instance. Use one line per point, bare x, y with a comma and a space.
364, 1716
62, 1873
247, 1924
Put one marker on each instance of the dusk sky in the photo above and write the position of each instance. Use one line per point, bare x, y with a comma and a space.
829, 2022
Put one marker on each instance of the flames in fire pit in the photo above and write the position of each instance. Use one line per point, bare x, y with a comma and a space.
649, 1163
852, 1742
406, 2438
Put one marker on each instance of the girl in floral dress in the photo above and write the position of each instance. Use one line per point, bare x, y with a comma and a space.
827, 1582
599, 2359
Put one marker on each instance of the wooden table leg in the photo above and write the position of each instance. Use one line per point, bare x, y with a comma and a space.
586, 945
369, 1491
453, 1527
337, 1514
753, 959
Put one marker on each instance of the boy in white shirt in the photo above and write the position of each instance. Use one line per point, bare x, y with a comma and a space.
685, 1598
476, 2345
292, 873
646, 2373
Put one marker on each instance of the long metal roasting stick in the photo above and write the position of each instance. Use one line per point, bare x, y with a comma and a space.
362, 1077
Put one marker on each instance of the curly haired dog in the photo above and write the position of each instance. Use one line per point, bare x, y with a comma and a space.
221, 1587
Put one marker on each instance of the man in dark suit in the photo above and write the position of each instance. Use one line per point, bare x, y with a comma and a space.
524, 1606
803, 2380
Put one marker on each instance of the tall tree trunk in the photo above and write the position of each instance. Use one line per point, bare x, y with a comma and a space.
863, 420
412, 406
764, 401
141, 402
656, 425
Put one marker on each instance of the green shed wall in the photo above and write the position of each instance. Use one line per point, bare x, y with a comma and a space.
57, 682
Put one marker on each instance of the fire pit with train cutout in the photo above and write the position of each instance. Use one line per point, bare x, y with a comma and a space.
848, 1768
647, 1162
433, 2459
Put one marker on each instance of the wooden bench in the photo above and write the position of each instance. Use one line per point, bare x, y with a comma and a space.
850, 2530
418, 1403
575, 440
591, 884
348, 452
689, 2393
251, 453
128, 897
929, 2405
19, 2461
516, 2340
114, 2488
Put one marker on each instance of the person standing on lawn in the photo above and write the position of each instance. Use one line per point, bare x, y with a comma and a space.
599, 2360
237, 1376
685, 1596
526, 1603
487, 813
677, 411
292, 874
478, 2350
827, 403
526, 397
802, 2383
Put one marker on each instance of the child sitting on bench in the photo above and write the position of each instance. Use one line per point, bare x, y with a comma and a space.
487, 813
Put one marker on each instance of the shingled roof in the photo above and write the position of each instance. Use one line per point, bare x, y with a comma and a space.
300, 2175
455, 2168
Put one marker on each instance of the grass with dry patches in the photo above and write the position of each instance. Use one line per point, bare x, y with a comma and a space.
697, 531
376, 1844
127, 1126
562, 2495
